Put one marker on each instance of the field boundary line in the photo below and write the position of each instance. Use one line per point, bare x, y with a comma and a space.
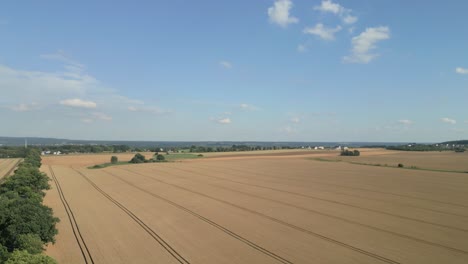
142, 224
332, 201
220, 227
72, 220
309, 232
333, 216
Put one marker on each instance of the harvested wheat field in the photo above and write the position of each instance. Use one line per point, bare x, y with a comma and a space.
256, 209
7, 166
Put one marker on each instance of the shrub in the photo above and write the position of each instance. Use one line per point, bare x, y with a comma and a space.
114, 159
400, 165
30, 242
160, 157
23, 256
350, 153
138, 158
200, 155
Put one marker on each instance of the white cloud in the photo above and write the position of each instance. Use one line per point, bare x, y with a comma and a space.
448, 120
279, 13
364, 43
225, 64
148, 109
248, 107
102, 116
301, 48
25, 107
461, 70
322, 31
87, 120
345, 14
296, 120
405, 122
78, 103
223, 121
350, 19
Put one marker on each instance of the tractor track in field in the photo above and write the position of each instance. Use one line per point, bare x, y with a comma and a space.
333, 216
223, 229
330, 201
364, 189
88, 258
8, 173
363, 197
314, 234
142, 224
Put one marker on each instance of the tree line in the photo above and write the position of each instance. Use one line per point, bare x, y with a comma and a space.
26, 225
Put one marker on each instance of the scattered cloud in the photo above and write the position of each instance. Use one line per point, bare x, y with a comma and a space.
365, 42
70, 64
248, 107
148, 109
225, 64
448, 120
302, 48
78, 103
25, 107
289, 130
87, 120
345, 14
102, 116
461, 70
279, 13
223, 121
323, 32
295, 120
405, 122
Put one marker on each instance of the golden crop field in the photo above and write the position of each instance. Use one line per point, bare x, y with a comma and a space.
7, 166
284, 208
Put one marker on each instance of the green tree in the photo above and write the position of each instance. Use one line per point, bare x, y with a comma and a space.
114, 159
4, 254
160, 157
138, 158
24, 257
30, 242
23, 216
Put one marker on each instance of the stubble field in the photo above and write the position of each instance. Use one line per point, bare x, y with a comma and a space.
256, 209
7, 166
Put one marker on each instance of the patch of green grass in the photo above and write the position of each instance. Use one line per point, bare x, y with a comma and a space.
180, 156
326, 160
105, 165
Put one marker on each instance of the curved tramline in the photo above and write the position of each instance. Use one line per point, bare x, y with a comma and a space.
332, 216
225, 230
330, 201
87, 257
142, 224
360, 189
226, 172
331, 240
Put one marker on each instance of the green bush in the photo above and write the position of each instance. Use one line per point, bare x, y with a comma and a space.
114, 159
138, 158
350, 153
30, 242
160, 157
24, 257
400, 165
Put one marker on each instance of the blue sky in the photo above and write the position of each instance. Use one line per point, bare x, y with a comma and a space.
284, 70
